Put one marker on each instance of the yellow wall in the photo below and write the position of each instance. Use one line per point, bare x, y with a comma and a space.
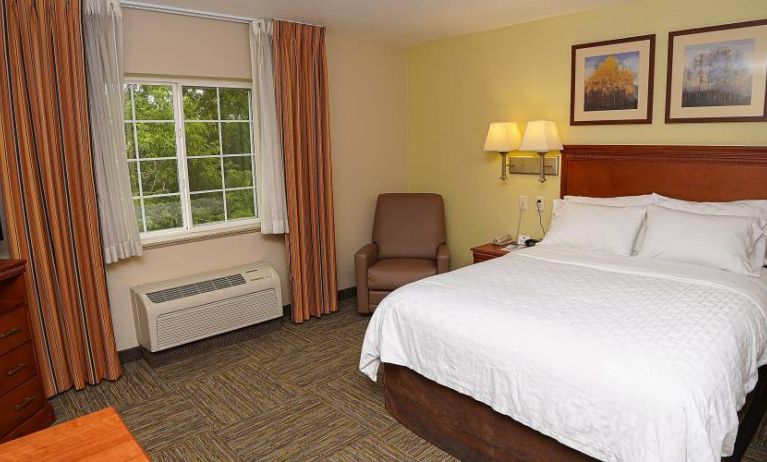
457, 86
367, 112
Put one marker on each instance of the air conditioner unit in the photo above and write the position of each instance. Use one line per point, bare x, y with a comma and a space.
179, 311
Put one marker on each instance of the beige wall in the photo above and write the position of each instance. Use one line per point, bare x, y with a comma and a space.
367, 120
176, 45
368, 117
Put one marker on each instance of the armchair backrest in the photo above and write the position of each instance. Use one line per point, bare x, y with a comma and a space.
409, 225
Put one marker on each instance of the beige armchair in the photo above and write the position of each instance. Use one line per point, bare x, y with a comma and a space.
408, 245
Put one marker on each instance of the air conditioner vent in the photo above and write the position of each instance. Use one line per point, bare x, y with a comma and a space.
178, 311
213, 318
188, 290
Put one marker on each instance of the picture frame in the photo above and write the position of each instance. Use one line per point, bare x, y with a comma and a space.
717, 74
596, 66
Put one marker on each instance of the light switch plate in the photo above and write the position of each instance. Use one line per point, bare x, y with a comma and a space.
523, 203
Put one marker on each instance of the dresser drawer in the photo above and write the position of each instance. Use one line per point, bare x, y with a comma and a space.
16, 367
14, 329
20, 404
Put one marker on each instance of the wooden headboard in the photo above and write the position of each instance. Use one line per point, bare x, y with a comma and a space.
702, 173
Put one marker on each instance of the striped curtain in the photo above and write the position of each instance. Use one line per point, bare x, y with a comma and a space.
49, 193
301, 87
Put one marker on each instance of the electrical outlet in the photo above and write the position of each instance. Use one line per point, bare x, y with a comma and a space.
540, 203
523, 203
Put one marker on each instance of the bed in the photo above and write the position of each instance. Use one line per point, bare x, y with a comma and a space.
524, 376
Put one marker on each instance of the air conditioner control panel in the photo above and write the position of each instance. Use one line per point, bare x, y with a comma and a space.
258, 274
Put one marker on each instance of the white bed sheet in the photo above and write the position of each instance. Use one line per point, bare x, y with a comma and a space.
621, 358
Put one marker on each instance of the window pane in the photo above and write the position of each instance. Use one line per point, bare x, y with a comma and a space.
127, 112
157, 180
159, 177
156, 140
130, 145
153, 102
200, 103
139, 217
201, 138
239, 204
204, 174
235, 136
235, 103
207, 207
163, 213
133, 170
238, 171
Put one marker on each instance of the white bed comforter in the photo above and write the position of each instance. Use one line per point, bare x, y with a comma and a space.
623, 359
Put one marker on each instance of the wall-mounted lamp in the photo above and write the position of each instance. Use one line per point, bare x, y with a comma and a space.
541, 136
502, 137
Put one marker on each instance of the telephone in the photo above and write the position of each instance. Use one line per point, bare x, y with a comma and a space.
506, 239
527, 241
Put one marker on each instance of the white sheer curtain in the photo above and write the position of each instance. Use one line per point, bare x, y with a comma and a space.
270, 168
102, 23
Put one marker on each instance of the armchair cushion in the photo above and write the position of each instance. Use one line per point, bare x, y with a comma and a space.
391, 273
409, 225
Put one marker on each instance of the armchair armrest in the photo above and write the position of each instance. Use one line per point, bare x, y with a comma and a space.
443, 258
366, 256
363, 259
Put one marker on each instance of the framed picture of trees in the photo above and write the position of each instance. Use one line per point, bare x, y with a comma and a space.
612, 82
718, 74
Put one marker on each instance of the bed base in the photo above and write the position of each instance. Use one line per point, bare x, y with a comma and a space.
472, 431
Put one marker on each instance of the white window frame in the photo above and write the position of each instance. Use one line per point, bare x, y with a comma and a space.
189, 231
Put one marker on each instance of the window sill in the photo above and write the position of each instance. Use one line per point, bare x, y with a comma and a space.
156, 242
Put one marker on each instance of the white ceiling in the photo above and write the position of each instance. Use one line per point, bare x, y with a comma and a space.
398, 22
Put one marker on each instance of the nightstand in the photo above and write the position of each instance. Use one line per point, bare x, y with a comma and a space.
488, 252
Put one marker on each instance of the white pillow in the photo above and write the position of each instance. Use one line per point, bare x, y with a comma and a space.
744, 208
729, 243
594, 227
619, 201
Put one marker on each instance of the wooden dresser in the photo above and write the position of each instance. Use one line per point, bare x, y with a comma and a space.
23, 408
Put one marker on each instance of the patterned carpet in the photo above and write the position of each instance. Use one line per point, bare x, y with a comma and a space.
294, 394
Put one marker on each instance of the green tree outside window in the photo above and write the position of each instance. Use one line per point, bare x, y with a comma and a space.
216, 184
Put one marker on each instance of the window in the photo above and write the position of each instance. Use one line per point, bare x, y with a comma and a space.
190, 155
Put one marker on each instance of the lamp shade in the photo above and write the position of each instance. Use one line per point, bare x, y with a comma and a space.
502, 137
541, 136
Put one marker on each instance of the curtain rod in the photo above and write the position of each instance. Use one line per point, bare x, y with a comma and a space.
197, 13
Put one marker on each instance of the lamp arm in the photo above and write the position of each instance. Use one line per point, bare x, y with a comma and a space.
503, 165
542, 173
